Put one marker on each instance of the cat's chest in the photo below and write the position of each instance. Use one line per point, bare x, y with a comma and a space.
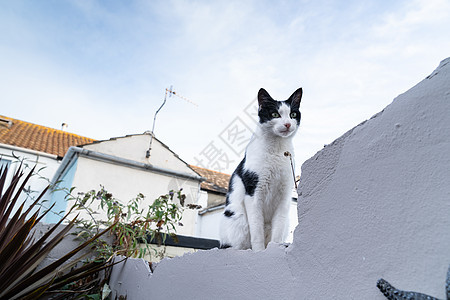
267, 159
270, 167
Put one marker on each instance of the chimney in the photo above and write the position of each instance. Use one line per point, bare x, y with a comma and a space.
5, 122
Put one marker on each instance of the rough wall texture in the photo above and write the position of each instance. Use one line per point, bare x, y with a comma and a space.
375, 203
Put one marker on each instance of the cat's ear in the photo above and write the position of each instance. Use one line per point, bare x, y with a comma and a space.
263, 96
296, 97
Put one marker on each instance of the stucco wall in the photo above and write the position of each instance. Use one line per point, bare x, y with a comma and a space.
374, 203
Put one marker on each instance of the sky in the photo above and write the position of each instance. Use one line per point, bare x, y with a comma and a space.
103, 67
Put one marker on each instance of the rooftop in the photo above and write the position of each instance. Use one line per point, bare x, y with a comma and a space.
37, 137
215, 181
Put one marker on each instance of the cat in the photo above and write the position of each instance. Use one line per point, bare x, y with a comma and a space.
260, 189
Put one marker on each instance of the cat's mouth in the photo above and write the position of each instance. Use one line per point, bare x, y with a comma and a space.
285, 132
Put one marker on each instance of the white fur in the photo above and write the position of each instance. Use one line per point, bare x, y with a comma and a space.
263, 217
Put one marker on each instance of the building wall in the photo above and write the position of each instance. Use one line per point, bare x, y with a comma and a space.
46, 165
209, 224
374, 203
215, 199
134, 147
58, 195
126, 182
293, 221
157, 253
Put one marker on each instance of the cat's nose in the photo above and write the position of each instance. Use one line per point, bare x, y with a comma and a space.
287, 125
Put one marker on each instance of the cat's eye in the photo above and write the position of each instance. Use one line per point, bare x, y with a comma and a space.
275, 115
293, 115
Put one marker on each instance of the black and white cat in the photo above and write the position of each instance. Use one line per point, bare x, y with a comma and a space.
260, 189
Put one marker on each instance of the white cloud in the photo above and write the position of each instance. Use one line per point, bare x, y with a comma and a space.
415, 14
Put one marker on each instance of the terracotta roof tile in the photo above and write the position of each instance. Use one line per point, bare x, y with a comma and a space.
36, 137
215, 181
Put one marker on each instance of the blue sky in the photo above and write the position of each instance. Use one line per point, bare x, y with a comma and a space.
103, 66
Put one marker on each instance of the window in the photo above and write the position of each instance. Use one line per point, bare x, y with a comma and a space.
4, 163
7, 162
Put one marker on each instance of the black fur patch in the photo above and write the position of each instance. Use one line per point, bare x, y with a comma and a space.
230, 189
228, 213
266, 109
298, 116
249, 178
294, 103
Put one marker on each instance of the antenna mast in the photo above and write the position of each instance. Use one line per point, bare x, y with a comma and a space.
171, 92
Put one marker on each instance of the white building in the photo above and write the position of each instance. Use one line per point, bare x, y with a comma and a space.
120, 165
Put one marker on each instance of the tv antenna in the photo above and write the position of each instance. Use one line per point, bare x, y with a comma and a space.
170, 92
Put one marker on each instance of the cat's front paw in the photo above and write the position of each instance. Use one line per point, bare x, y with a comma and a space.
258, 248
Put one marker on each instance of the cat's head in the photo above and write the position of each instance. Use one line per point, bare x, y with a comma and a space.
281, 118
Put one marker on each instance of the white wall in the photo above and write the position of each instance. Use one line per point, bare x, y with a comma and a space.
45, 163
209, 224
293, 221
375, 203
134, 147
126, 182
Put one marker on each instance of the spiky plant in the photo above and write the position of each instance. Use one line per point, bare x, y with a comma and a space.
20, 253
